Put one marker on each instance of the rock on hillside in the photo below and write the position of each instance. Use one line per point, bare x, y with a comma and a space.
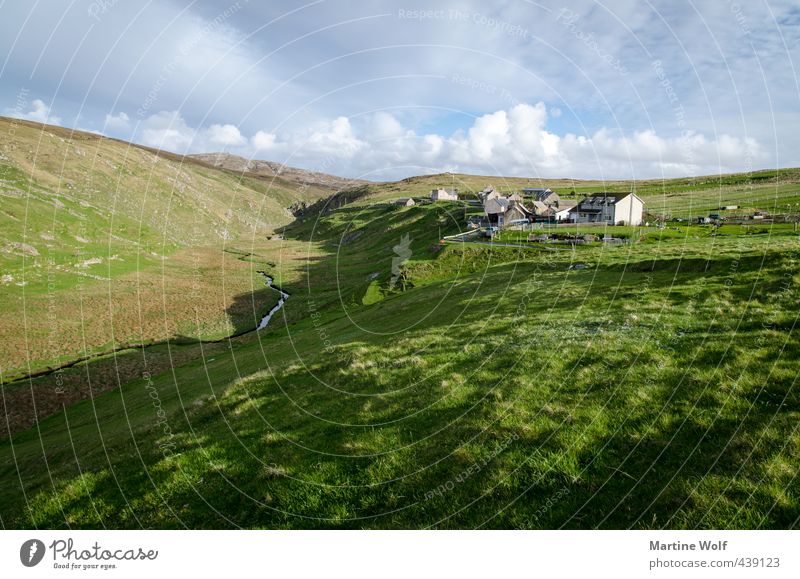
271, 169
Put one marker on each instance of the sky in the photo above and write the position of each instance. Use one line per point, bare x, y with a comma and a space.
388, 89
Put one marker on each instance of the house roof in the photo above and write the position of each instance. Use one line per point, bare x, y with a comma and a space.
517, 205
496, 205
604, 197
594, 202
539, 207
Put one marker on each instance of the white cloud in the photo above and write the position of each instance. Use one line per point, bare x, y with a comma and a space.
263, 141
225, 135
119, 122
488, 133
167, 130
721, 71
335, 138
39, 113
383, 126
513, 142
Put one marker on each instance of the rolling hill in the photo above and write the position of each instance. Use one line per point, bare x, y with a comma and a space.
406, 383
104, 243
269, 169
772, 191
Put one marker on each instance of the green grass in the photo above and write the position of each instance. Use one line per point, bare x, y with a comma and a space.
494, 387
772, 191
101, 241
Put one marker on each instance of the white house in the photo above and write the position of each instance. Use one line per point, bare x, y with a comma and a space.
444, 195
612, 208
562, 212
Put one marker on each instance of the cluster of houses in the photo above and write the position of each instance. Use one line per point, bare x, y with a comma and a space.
544, 204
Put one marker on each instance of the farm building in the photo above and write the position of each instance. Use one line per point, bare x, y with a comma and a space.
488, 192
562, 212
546, 212
612, 208
516, 212
444, 195
404, 202
501, 211
546, 196
539, 208
495, 205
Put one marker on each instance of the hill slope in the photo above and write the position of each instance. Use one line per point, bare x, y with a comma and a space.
105, 243
270, 169
773, 191
406, 382
488, 386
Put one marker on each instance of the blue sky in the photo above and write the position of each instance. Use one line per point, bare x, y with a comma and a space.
623, 89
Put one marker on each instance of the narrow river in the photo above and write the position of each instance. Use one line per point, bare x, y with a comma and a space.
261, 325
284, 296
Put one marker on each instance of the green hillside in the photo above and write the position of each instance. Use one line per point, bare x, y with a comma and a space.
646, 385
773, 191
104, 243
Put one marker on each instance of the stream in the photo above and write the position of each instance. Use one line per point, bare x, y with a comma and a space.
284, 296
261, 325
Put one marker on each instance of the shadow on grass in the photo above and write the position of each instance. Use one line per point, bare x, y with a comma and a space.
473, 414
29, 399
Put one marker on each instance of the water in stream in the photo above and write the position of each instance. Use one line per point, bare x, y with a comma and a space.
284, 296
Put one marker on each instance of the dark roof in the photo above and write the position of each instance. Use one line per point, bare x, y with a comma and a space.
540, 194
613, 197
601, 198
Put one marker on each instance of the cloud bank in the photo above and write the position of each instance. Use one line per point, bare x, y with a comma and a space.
584, 89
515, 142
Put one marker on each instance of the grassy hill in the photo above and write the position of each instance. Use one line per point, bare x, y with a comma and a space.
646, 385
269, 169
105, 244
773, 191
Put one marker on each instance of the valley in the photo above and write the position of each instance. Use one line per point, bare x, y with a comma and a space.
650, 384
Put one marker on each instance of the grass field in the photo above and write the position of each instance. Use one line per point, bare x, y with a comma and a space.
105, 244
467, 386
772, 191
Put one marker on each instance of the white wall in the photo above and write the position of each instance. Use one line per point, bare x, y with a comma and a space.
629, 210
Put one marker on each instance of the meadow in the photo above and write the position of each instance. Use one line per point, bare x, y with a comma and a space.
106, 245
470, 386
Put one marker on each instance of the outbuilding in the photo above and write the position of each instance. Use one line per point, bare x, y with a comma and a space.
444, 195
